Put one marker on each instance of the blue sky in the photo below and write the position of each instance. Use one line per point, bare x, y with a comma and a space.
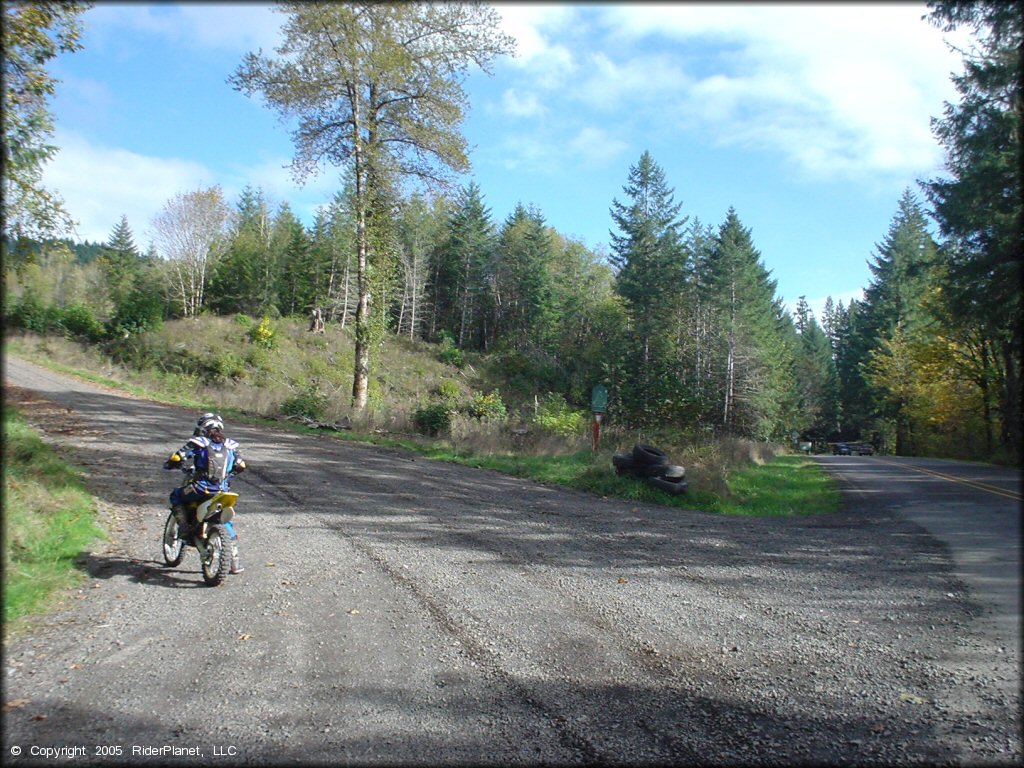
810, 120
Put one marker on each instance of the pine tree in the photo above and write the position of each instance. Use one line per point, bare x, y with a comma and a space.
753, 359
903, 272
518, 280
243, 280
651, 263
120, 262
979, 203
459, 269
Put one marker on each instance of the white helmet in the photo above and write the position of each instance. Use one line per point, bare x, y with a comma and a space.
208, 417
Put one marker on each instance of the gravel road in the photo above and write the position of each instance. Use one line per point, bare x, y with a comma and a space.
395, 610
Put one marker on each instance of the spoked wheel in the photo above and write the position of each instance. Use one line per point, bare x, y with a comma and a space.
217, 561
174, 545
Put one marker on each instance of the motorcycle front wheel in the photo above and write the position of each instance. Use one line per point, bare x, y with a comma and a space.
217, 560
174, 545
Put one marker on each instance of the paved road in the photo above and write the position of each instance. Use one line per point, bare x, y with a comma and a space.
396, 610
975, 509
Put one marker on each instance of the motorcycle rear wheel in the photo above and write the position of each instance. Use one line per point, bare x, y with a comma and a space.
174, 545
217, 561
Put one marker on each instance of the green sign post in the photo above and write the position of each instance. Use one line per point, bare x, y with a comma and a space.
598, 405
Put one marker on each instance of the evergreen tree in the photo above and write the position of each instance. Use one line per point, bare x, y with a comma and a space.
753, 359
419, 225
121, 262
903, 271
518, 280
816, 377
242, 281
650, 262
460, 266
979, 204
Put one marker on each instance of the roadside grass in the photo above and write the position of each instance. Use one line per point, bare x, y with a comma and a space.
49, 518
787, 485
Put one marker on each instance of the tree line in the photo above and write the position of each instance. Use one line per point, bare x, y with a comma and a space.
680, 319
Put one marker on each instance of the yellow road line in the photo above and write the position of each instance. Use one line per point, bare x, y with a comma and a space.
972, 483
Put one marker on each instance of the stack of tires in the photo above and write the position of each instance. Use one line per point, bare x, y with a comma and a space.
648, 463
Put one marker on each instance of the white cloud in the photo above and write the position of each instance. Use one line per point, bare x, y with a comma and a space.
595, 147
224, 27
839, 90
526, 23
99, 184
519, 104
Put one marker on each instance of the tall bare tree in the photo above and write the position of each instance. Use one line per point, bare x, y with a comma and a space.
190, 233
377, 88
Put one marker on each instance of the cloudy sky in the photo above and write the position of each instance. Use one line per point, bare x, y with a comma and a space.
809, 120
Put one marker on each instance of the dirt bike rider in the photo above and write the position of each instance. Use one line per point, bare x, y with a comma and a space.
214, 459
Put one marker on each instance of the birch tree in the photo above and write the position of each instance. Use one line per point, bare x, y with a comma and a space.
190, 234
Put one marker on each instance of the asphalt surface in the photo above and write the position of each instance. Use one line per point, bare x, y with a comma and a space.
395, 610
974, 509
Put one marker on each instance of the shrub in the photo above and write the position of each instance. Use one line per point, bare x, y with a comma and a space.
80, 323
450, 354
487, 406
262, 335
311, 403
433, 419
136, 313
555, 415
449, 391
30, 314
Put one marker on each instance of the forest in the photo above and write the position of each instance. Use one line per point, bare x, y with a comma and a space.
679, 319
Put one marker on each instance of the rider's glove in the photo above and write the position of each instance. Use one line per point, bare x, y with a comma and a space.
174, 462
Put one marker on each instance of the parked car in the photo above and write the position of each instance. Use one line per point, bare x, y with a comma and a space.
862, 449
841, 449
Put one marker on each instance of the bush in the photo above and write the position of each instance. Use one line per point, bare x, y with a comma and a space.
555, 415
262, 335
137, 313
487, 407
308, 404
450, 354
30, 314
449, 391
433, 419
80, 323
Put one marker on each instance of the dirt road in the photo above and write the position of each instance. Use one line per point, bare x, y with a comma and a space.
397, 610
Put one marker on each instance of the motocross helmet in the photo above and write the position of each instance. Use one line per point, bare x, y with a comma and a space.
214, 429
201, 422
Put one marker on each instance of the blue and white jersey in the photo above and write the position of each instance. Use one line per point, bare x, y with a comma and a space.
212, 462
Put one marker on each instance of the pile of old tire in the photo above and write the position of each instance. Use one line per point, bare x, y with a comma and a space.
646, 462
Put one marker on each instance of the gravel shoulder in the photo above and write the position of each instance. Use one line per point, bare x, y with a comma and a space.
398, 610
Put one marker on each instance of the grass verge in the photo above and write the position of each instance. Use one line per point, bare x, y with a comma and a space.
48, 519
788, 485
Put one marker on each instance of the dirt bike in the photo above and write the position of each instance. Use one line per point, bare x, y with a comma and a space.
207, 534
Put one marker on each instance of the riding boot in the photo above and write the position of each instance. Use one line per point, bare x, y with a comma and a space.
236, 561
181, 515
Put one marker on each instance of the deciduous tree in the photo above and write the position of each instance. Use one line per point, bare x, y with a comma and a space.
376, 87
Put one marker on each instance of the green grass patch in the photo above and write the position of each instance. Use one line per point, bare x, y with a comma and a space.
49, 518
785, 486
